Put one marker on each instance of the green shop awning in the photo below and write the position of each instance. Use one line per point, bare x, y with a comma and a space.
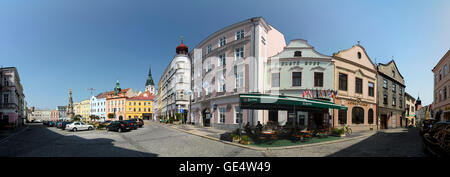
265, 101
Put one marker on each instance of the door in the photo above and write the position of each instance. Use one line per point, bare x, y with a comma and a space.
383, 121
302, 119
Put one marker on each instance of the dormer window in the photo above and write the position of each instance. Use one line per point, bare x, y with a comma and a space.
359, 55
297, 53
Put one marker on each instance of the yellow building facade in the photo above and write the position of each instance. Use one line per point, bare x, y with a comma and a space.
139, 107
85, 107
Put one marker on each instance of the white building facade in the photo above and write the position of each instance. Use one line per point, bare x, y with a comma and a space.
174, 84
98, 105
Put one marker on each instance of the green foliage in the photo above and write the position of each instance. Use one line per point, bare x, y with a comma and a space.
178, 116
235, 136
101, 126
110, 115
77, 117
245, 138
338, 131
171, 119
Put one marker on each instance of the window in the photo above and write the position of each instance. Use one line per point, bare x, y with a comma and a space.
440, 74
358, 85
240, 79
400, 90
400, 102
208, 49
237, 115
296, 79
318, 79
371, 89
222, 111
5, 98
393, 74
393, 101
385, 83
394, 87
239, 53
385, 99
370, 116
342, 81
445, 93
297, 53
342, 116
359, 55
275, 79
222, 60
357, 115
239, 34
222, 41
445, 69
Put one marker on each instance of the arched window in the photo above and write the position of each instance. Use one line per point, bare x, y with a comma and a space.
297, 53
359, 55
370, 116
342, 116
357, 115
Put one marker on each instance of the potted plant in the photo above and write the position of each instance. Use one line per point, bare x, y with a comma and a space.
339, 132
245, 140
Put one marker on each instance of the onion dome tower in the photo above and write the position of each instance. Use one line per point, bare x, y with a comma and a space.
182, 49
117, 89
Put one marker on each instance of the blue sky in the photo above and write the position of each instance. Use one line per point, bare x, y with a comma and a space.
60, 44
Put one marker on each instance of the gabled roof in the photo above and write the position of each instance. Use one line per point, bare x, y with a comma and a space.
356, 45
446, 54
392, 61
101, 95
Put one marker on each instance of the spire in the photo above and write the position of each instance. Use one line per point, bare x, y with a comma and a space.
149, 78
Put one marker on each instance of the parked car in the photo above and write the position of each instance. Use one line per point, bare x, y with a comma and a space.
426, 125
118, 126
75, 126
139, 122
437, 140
64, 124
59, 124
133, 124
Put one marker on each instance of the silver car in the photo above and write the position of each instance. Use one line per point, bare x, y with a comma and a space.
75, 126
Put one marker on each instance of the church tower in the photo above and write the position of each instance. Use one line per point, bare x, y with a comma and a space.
150, 85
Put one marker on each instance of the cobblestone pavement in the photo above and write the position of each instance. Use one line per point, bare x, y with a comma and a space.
388, 143
162, 141
149, 141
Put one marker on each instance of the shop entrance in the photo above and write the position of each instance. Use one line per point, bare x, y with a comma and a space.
383, 121
206, 118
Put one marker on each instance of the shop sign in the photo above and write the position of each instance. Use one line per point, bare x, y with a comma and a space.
357, 102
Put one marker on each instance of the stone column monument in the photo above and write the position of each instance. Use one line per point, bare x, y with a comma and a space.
70, 113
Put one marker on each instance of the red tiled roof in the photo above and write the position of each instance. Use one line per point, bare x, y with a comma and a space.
102, 95
143, 96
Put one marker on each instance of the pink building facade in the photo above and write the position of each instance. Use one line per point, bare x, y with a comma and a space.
115, 104
229, 62
12, 98
441, 101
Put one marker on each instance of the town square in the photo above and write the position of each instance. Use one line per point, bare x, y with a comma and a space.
205, 79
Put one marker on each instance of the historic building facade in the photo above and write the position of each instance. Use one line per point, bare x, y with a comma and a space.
355, 80
115, 102
85, 107
98, 105
391, 95
174, 84
227, 63
410, 111
441, 101
41, 114
11, 98
299, 71
140, 106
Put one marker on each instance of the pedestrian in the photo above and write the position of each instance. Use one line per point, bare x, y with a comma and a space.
259, 126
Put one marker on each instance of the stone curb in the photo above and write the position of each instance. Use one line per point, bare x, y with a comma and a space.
273, 148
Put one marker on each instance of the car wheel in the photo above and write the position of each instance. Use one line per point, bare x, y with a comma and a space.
90, 128
119, 130
74, 129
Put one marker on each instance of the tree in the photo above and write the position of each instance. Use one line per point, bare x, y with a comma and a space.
77, 117
111, 115
94, 117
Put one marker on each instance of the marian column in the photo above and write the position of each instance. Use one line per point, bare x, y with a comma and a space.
70, 113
